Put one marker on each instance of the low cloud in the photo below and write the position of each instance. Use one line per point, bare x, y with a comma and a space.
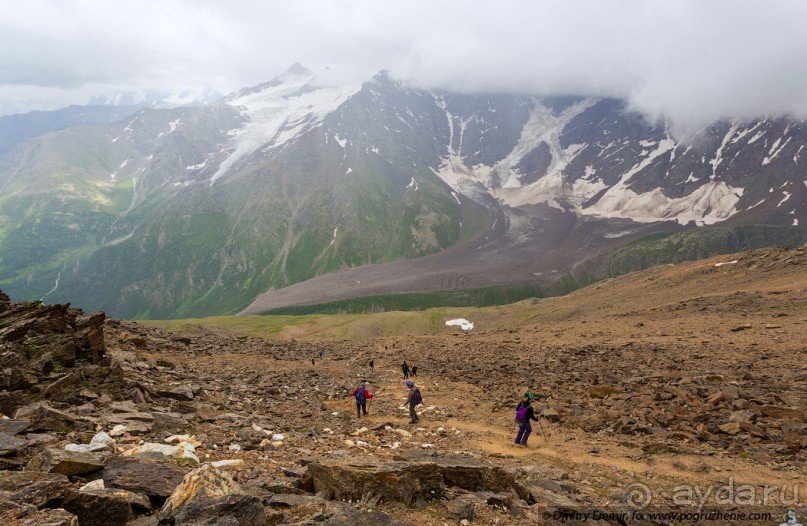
689, 61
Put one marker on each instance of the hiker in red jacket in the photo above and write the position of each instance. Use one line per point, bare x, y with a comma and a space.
361, 394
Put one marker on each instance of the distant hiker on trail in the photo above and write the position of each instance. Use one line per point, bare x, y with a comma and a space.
414, 370
405, 369
371, 364
525, 413
361, 394
320, 354
313, 362
413, 399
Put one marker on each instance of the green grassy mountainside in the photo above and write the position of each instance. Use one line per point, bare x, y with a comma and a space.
115, 221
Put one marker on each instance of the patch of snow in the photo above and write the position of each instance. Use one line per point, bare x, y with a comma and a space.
590, 171
197, 166
795, 222
281, 113
756, 137
787, 196
774, 151
755, 205
737, 138
458, 200
719, 154
150, 157
349, 170
647, 143
614, 235
712, 202
335, 229
462, 323
115, 139
584, 187
726, 263
543, 126
795, 157
342, 142
412, 184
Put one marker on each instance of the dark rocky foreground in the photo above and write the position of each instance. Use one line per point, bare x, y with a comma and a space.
109, 422
92, 437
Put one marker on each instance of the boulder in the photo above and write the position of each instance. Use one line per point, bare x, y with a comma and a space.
462, 471
36, 489
462, 507
342, 514
601, 391
730, 428
10, 444
201, 486
783, 413
52, 460
14, 426
351, 479
101, 507
242, 510
20, 514
183, 392
152, 475
43, 417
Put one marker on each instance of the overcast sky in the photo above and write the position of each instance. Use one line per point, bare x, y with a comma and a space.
691, 61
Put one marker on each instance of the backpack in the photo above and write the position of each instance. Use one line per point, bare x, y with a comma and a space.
360, 396
416, 398
521, 414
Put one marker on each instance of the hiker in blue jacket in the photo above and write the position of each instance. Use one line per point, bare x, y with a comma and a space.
525, 428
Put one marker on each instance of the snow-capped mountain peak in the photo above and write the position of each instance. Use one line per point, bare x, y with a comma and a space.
279, 111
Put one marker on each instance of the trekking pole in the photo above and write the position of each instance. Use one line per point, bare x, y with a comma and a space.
542, 431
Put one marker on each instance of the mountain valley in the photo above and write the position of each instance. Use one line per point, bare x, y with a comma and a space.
299, 191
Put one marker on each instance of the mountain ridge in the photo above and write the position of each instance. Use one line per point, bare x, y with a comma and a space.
291, 179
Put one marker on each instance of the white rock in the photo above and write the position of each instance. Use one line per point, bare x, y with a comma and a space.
234, 447
85, 448
183, 450
427, 446
277, 437
102, 438
361, 443
335, 413
227, 463
277, 443
95, 484
118, 430
327, 430
349, 443
403, 432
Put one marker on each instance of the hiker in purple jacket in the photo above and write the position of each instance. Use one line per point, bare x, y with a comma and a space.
525, 428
